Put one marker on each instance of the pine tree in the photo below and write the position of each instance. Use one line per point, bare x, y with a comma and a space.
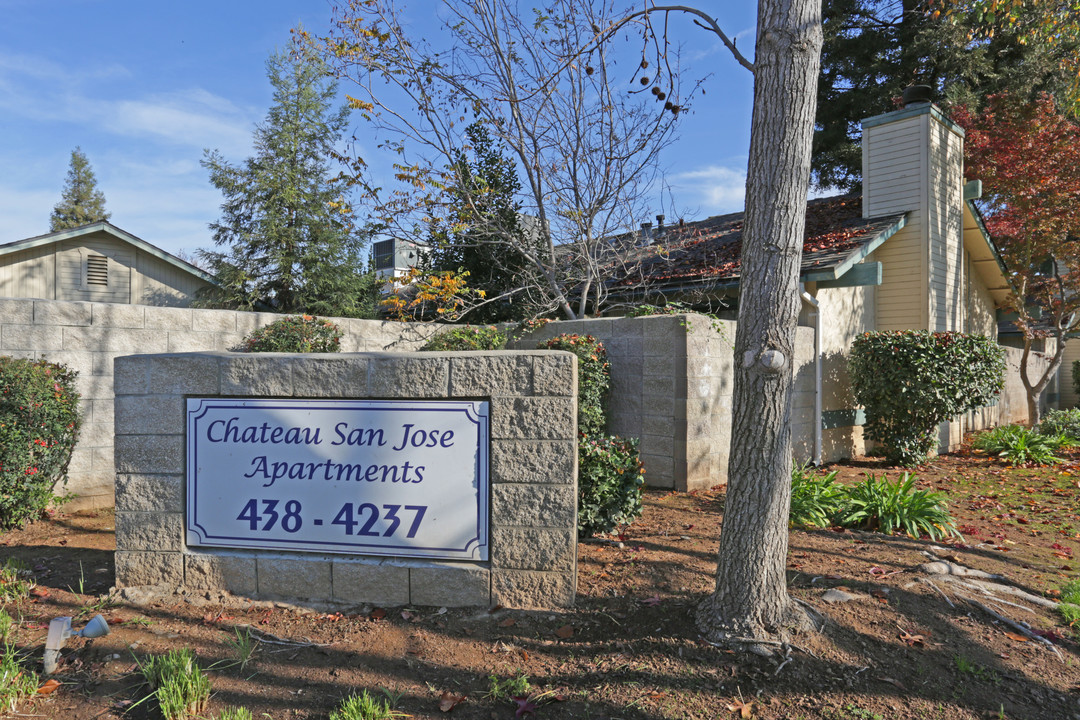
292, 245
875, 48
484, 231
82, 203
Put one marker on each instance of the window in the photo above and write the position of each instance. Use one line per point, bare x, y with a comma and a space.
97, 271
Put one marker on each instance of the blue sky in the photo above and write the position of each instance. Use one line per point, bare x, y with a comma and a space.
144, 87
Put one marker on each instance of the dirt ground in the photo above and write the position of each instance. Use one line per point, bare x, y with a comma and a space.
906, 646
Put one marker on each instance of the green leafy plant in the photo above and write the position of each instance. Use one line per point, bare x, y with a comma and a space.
1021, 445
911, 381
1069, 606
7, 625
14, 584
181, 687
467, 337
17, 682
364, 707
610, 479
234, 713
878, 504
594, 379
1062, 422
243, 645
39, 426
508, 688
295, 334
816, 500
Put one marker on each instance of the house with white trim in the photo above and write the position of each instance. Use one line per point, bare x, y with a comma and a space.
97, 263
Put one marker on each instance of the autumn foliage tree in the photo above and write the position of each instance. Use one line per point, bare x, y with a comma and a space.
1028, 158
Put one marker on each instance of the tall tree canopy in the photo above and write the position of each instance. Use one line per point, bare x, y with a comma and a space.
467, 235
585, 145
287, 226
873, 49
82, 203
1028, 158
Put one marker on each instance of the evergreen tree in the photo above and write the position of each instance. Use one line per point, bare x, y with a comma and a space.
484, 232
875, 48
82, 203
292, 245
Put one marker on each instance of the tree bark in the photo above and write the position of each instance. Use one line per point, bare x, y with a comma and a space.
751, 599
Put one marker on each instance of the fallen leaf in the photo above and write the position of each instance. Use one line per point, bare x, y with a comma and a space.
508, 622
652, 602
743, 708
1015, 636
566, 631
377, 614
448, 701
39, 591
912, 640
48, 686
895, 683
525, 706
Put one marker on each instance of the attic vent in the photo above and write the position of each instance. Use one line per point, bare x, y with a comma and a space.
97, 270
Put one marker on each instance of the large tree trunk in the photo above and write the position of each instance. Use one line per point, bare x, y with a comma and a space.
751, 599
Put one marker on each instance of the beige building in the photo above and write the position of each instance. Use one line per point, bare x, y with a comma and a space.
910, 253
97, 263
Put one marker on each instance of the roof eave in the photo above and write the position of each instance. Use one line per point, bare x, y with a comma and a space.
106, 227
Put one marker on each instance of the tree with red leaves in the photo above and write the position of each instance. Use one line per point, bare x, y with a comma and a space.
1028, 158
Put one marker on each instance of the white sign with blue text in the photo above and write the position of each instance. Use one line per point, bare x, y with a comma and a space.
369, 477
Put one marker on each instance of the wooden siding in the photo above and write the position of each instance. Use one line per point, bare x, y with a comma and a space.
945, 228
156, 282
71, 269
895, 181
28, 274
58, 271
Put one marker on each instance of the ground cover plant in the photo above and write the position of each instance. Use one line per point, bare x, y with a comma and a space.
467, 337
39, 426
1022, 445
906, 645
875, 503
295, 334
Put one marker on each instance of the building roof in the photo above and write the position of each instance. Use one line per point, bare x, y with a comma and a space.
109, 229
705, 255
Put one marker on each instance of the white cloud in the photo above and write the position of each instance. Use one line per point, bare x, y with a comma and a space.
716, 188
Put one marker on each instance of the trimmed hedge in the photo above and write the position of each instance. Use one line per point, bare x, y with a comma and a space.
39, 426
296, 334
594, 380
610, 478
467, 337
911, 381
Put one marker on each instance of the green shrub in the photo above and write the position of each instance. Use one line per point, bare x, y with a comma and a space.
467, 337
39, 426
1020, 445
593, 378
1069, 607
181, 687
295, 334
1061, 422
911, 381
363, 707
816, 500
877, 504
610, 478
17, 681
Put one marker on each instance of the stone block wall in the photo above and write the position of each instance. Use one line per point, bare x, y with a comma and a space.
87, 336
533, 461
672, 378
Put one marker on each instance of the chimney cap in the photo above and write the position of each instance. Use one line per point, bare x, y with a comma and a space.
916, 94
